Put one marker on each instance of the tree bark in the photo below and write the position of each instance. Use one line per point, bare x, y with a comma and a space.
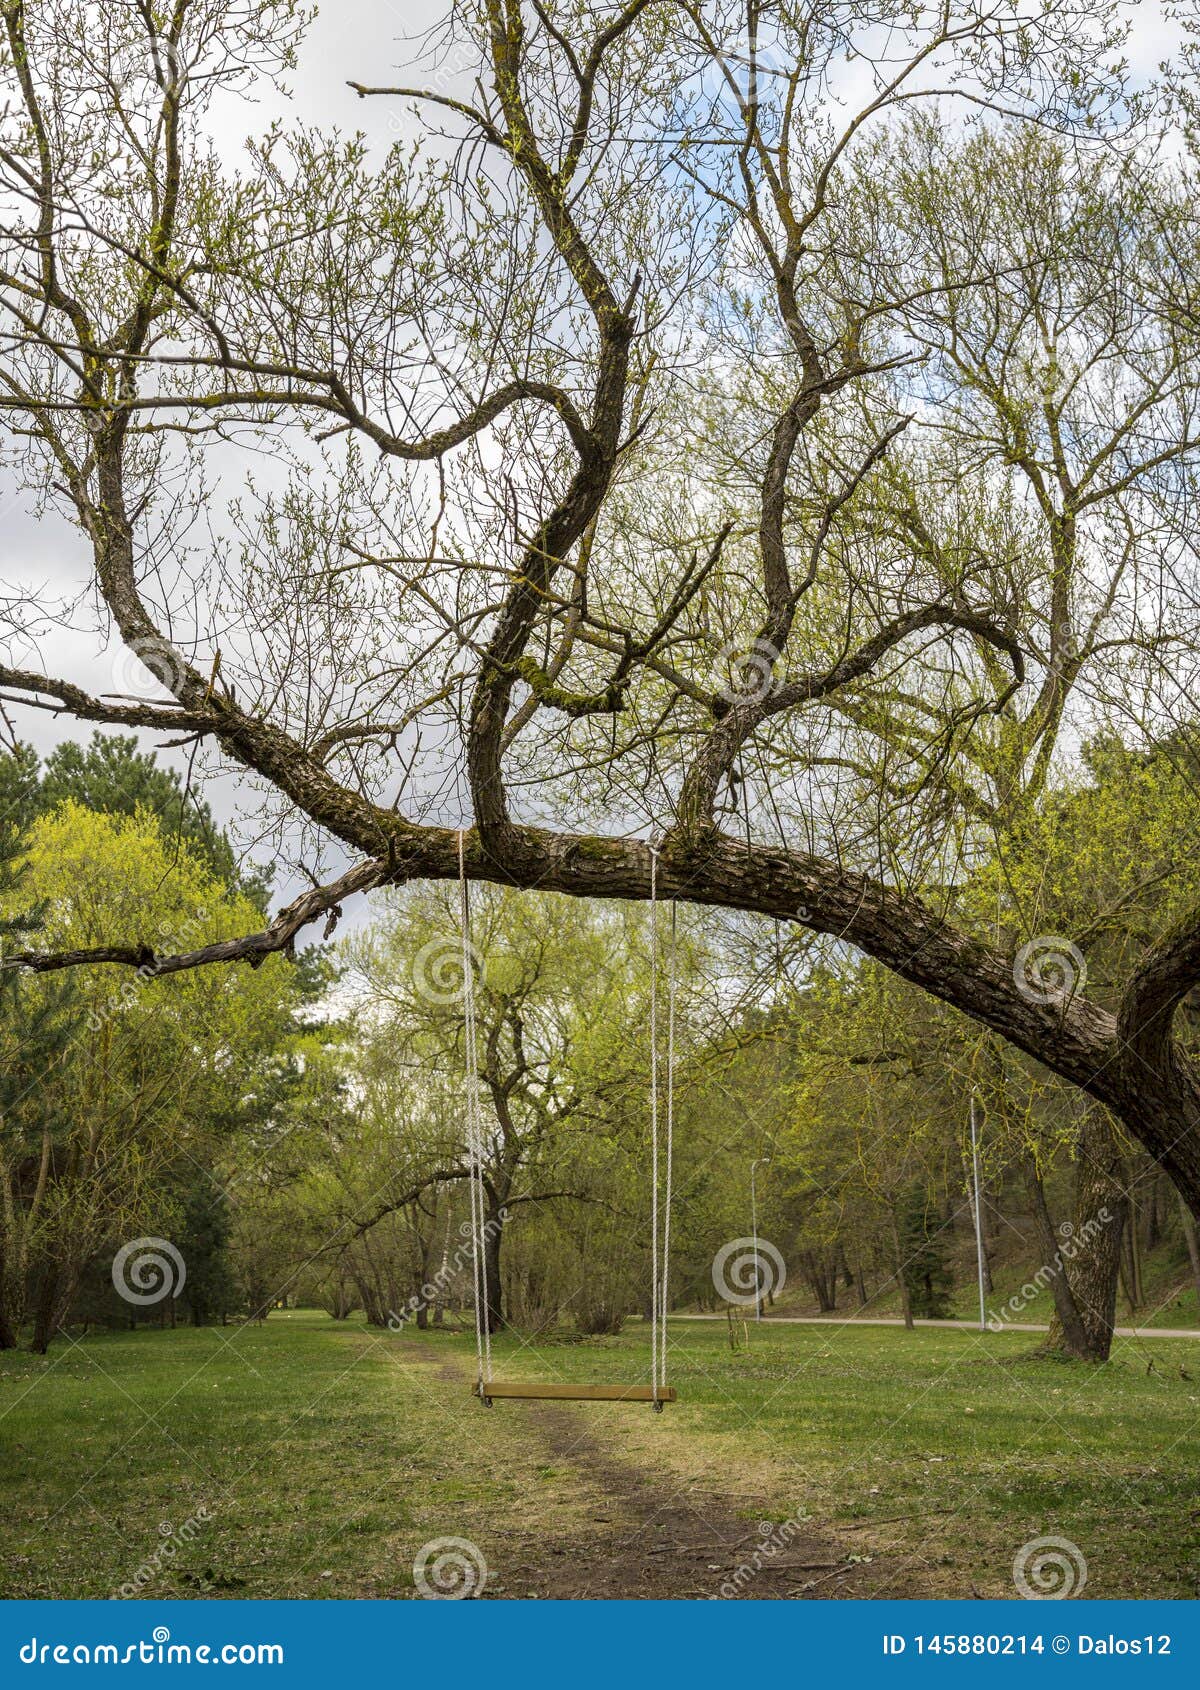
1152, 1235
1093, 1251
1101, 1214
54, 1296
8, 1325
901, 1280
1129, 1063
1067, 1331
493, 1237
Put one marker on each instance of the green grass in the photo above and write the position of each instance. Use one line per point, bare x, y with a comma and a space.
326, 1455
858, 1426
323, 1459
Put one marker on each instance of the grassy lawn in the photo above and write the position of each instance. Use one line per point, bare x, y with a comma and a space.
324, 1455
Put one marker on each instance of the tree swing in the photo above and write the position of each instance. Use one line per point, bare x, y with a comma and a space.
487, 1389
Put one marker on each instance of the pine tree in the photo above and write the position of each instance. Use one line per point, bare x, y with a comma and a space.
925, 1248
36, 1027
203, 1241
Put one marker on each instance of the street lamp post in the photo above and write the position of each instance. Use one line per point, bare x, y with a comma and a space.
758, 1162
979, 1252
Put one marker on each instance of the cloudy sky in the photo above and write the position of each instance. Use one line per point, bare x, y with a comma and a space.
375, 41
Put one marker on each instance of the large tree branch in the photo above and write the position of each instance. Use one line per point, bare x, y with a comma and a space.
767, 699
254, 948
64, 696
1152, 996
1073, 1036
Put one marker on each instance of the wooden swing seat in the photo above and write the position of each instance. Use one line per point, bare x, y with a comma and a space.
563, 1392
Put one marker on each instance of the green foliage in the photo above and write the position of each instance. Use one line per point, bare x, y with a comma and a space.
151, 1077
925, 1251
113, 777
203, 1241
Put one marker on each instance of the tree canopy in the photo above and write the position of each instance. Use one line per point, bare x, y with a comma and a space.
744, 446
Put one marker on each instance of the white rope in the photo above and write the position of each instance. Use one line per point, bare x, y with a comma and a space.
655, 1305
666, 1253
660, 1264
483, 1336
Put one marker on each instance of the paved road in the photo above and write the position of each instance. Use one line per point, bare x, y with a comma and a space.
960, 1325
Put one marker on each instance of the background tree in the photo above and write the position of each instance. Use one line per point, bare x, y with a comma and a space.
148, 1083
548, 602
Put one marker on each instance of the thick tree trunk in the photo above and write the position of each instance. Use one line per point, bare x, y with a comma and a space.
493, 1238
1127, 1062
1067, 1330
1101, 1213
1092, 1252
901, 1279
53, 1300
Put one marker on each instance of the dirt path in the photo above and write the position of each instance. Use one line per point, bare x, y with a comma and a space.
653, 1538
